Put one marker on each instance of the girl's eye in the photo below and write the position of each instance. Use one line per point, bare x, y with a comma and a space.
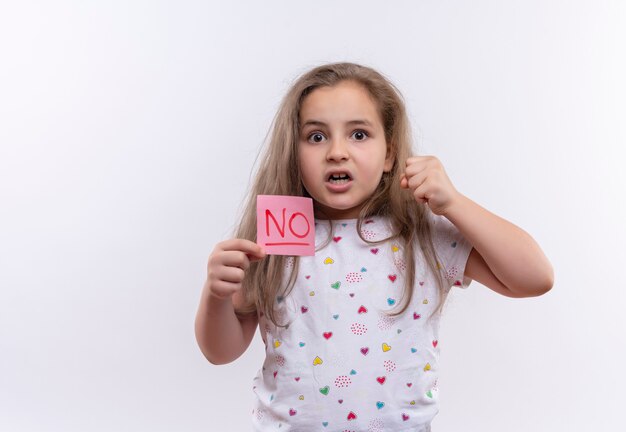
359, 135
316, 137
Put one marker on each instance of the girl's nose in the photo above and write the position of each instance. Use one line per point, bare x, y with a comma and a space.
337, 151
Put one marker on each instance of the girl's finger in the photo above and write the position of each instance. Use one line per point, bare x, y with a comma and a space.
257, 257
416, 181
248, 247
230, 274
223, 289
235, 259
414, 167
404, 183
420, 192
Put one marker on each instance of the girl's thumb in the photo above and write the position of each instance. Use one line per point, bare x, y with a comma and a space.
404, 183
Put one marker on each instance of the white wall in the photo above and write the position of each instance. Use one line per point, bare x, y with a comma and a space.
128, 131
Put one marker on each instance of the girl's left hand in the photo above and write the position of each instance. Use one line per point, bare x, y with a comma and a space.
429, 183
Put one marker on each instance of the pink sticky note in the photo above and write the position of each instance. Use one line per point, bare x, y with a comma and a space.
285, 225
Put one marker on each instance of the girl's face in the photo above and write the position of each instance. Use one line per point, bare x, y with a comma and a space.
342, 149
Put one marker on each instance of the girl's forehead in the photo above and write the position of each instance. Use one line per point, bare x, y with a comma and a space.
345, 102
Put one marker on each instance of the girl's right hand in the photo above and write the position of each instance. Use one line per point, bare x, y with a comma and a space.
227, 266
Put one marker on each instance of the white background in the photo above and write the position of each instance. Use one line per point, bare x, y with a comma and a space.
128, 132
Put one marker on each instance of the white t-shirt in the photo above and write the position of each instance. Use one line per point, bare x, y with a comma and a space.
344, 364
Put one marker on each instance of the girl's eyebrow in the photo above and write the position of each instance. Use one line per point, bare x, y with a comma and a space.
350, 123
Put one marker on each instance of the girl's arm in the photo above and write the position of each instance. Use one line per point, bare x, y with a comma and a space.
505, 258
221, 335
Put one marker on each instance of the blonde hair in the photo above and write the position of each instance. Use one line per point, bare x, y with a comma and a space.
279, 174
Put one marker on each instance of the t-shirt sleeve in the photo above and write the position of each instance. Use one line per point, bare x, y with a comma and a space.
452, 250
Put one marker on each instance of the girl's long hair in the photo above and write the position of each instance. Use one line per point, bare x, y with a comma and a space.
279, 174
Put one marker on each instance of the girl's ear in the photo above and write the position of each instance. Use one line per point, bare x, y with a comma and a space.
389, 160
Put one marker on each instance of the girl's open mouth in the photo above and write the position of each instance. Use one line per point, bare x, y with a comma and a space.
339, 179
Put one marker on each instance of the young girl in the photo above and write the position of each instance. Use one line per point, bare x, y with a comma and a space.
351, 334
